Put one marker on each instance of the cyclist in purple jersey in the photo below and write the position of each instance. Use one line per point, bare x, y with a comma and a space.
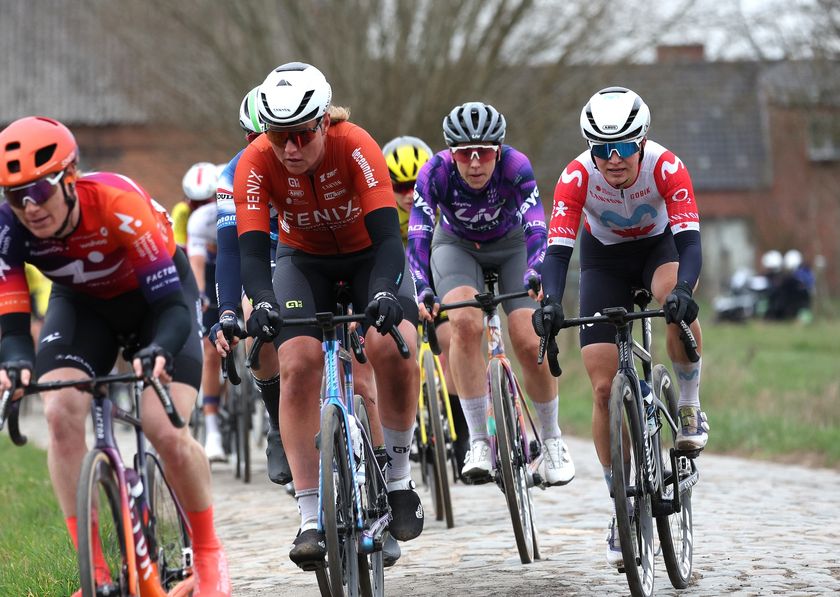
491, 220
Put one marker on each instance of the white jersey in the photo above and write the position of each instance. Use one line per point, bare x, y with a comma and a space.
201, 231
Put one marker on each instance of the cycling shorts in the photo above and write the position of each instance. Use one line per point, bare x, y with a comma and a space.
305, 284
610, 273
457, 262
81, 331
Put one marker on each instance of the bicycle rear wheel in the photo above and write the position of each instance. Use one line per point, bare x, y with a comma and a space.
374, 505
99, 516
633, 514
169, 537
443, 503
242, 404
512, 463
337, 482
676, 532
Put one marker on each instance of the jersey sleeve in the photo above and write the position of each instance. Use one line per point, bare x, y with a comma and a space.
14, 289
196, 240
228, 285
251, 193
674, 183
569, 199
421, 227
531, 215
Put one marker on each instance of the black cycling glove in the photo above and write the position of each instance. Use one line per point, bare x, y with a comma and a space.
679, 305
148, 355
384, 312
548, 319
228, 324
265, 322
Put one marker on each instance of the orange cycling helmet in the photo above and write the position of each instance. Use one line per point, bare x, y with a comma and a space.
33, 147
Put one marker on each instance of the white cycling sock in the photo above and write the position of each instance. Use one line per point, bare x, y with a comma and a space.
211, 423
688, 378
547, 412
307, 503
398, 445
475, 413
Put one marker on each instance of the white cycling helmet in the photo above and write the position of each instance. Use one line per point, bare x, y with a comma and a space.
474, 122
200, 182
293, 94
249, 120
614, 114
772, 261
793, 259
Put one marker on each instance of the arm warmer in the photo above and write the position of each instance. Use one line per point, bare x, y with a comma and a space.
254, 249
16, 344
554, 271
691, 256
228, 282
383, 226
172, 317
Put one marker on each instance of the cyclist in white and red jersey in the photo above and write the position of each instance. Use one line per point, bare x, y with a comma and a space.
117, 274
641, 230
329, 183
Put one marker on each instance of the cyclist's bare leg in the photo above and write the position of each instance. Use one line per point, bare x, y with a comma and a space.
66, 412
182, 456
601, 362
540, 385
444, 336
301, 363
466, 349
365, 386
397, 379
664, 280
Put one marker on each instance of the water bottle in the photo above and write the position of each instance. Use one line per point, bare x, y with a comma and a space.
356, 437
650, 408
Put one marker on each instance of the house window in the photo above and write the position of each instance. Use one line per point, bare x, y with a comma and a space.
824, 138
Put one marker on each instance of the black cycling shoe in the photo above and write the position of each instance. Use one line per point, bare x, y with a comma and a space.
391, 551
309, 550
407, 512
278, 465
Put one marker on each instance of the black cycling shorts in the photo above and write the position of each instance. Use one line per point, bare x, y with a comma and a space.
610, 273
81, 331
305, 284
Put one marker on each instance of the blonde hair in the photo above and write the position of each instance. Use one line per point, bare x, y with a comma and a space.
338, 114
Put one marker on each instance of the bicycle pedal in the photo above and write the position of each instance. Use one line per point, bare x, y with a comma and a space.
690, 454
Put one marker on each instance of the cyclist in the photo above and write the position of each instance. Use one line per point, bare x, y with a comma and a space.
229, 287
641, 229
491, 217
108, 248
198, 186
327, 179
405, 156
200, 180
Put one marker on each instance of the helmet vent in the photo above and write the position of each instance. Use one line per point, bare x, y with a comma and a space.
13, 166
45, 154
12, 145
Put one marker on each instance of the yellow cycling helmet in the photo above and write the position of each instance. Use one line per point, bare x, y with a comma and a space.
405, 156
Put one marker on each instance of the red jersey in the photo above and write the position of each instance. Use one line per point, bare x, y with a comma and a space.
123, 241
320, 213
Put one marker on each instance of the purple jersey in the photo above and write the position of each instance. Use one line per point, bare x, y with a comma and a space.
509, 199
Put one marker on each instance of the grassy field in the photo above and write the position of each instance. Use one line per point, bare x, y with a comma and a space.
36, 555
771, 391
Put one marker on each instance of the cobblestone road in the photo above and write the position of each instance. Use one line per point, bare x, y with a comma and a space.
760, 529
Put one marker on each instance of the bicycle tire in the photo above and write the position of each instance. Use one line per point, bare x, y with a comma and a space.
169, 533
439, 443
337, 503
372, 567
99, 490
243, 429
512, 464
676, 531
634, 517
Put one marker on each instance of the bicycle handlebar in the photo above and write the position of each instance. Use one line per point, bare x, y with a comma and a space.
229, 371
485, 301
88, 385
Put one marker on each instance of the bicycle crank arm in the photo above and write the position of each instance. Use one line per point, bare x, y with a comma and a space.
371, 539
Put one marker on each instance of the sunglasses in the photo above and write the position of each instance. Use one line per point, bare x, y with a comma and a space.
38, 192
467, 153
624, 149
300, 138
404, 187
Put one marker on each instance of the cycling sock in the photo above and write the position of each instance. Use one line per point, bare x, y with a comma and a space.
103, 573
398, 445
211, 401
547, 412
203, 530
688, 378
211, 423
270, 391
307, 503
475, 412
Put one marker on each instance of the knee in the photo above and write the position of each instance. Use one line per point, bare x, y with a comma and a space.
65, 418
467, 330
601, 394
171, 443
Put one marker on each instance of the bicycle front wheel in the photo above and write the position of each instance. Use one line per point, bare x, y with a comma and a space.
242, 404
676, 532
633, 514
374, 504
512, 463
169, 537
337, 481
443, 503
100, 519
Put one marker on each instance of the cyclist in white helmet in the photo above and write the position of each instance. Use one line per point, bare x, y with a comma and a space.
641, 229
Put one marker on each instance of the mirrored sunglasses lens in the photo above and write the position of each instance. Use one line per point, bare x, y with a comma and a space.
38, 193
624, 150
467, 154
404, 187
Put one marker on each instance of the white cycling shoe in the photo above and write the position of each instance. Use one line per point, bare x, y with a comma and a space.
213, 447
558, 467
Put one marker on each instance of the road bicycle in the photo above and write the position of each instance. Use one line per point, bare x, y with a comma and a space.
515, 442
435, 433
656, 482
354, 513
129, 513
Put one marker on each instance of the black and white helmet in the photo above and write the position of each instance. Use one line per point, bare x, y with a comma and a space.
614, 114
249, 120
292, 94
474, 122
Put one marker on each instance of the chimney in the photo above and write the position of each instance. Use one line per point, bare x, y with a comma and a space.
680, 54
